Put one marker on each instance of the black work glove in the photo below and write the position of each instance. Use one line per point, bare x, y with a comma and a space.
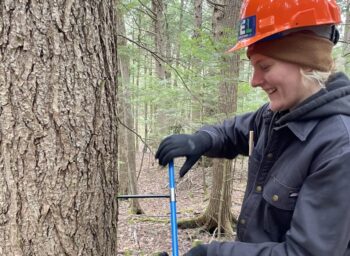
191, 146
199, 250
162, 254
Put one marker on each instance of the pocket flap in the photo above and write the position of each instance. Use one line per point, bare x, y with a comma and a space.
280, 195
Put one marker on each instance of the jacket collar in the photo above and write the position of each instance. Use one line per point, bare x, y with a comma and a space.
302, 129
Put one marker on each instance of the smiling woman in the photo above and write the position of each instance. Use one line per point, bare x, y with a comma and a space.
280, 80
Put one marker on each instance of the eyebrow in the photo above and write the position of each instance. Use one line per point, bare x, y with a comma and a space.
257, 62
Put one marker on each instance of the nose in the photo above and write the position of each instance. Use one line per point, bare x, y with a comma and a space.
257, 79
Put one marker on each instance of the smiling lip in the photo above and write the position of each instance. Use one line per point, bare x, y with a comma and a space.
270, 91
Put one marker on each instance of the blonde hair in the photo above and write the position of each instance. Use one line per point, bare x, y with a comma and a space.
318, 77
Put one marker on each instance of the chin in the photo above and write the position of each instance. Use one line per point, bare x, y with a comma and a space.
276, 108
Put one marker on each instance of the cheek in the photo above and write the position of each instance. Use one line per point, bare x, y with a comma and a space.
276, 79
285, 79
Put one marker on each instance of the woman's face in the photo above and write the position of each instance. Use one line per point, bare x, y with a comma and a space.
282, 81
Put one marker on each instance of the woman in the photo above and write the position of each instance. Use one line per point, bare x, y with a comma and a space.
296, 200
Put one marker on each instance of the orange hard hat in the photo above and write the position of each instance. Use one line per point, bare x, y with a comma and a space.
261, 19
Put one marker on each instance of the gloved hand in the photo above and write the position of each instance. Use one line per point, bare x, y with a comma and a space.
162, 254
199, 250
191, 146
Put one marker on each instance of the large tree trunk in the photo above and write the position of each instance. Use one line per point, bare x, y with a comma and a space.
58, 129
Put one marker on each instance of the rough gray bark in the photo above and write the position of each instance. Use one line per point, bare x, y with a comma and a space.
58, 129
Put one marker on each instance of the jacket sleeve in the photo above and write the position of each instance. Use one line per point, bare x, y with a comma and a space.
231, 137
320, 224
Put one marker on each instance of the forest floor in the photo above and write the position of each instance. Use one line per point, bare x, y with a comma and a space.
149, 233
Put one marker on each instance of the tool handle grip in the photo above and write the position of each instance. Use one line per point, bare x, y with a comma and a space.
173, 221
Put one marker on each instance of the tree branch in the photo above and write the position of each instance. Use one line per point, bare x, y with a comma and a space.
148, 10
138, 135
159, 58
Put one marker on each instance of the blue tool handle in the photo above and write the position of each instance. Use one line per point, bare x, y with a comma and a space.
173, 220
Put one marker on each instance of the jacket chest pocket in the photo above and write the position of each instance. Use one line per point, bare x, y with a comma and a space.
278, 211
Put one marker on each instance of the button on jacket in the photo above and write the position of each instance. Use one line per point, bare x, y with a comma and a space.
297, 196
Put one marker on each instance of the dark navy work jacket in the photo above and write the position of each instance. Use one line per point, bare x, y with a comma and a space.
297, 196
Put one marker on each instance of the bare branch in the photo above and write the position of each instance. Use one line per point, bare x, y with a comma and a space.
344, 42
138, 135
148, 10
159, 58
139, 27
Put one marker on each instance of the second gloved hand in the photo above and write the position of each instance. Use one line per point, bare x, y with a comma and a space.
191, 146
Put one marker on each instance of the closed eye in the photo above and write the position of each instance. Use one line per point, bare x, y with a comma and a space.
265, 67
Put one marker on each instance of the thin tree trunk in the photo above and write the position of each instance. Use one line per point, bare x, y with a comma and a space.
58, 129
138, 74
218, 215
198, 20
158, 9
122, 156
198, 17
222, 170
178, 43
198, 113
135, 205
128, 148
167, 43
218, 212
146, 104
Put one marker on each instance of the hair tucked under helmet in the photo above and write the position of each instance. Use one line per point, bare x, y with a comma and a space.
304, 48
